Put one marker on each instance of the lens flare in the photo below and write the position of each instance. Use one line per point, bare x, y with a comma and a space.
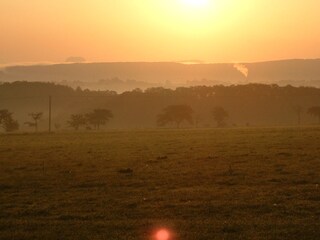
163, 234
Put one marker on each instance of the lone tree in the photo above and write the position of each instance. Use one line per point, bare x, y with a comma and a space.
77, 120
175, 114
7, 122
315, 111
99, 117
35, 117
220, 115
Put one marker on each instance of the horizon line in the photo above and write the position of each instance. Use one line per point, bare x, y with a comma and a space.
184, 62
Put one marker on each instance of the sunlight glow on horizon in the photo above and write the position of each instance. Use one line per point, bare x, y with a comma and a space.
159, 30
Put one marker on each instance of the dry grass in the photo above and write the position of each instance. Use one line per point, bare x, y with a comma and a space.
202, 184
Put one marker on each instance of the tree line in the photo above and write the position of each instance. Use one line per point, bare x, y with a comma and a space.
173, 115
246, 105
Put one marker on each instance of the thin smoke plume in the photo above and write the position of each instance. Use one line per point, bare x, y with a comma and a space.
242, 68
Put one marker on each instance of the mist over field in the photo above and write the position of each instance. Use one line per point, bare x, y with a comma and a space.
250, 105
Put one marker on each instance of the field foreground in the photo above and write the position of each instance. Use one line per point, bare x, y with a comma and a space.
199, 184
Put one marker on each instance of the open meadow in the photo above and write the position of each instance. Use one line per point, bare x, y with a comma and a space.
200, 184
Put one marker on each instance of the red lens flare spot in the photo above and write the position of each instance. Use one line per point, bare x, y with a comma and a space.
163, 234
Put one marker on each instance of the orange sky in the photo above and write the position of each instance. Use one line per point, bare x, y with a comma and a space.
158, 30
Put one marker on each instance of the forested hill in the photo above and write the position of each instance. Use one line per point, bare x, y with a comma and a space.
127, 76
247, 105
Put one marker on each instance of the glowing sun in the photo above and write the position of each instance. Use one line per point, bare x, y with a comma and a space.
195, 3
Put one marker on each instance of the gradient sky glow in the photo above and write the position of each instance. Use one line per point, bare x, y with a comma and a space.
158, 30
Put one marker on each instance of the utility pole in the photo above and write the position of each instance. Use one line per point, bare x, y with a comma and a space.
50, 113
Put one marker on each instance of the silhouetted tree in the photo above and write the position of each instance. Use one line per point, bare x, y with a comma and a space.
4, 113
220, 115
175, 114
298, 111
10, 125
36, 117
315, 111
7, 122
99, 117
77, 120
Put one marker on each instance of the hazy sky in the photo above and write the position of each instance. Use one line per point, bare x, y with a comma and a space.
158, 30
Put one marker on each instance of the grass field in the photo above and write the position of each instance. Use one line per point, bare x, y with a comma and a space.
200, 184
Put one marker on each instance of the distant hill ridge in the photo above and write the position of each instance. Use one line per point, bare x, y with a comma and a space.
302, 72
